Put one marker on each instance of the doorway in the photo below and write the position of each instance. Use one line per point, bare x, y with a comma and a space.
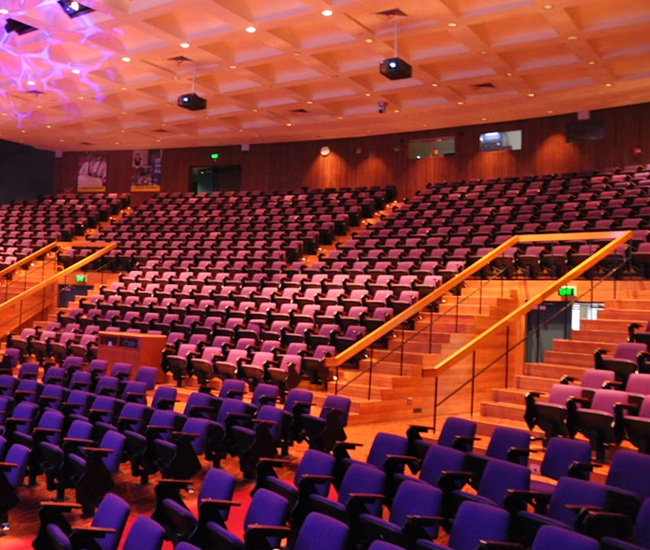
208, 179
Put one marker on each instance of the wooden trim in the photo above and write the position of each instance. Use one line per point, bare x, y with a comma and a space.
57, 277
416, 308
619, 238
28, 259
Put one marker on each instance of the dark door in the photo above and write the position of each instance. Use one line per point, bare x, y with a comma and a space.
207, 179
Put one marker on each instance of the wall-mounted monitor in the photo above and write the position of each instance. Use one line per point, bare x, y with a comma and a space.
501, 141
582, 131
436, 147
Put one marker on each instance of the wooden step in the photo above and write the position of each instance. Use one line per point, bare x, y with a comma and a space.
611, 325
502, 410
553, 371
566, 358
630, 315
582, 347
513, 396
638, 305
602, 336
534, 383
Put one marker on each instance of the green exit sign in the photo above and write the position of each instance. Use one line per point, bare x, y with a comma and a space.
567, 291
80, 278
214, 156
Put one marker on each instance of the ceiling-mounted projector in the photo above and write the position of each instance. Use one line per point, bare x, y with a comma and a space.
395, 68
192, 102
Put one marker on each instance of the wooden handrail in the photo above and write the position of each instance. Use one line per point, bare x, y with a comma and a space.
619, 238
57, 277
27, 259
417, 307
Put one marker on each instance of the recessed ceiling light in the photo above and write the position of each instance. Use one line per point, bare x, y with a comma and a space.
395, 110
452, 24
75, 71
509, 74
310, 103
62, 140
122, 131
327, 13
425, 125
609, 84
484, 118
461, 103
335, 76
81, 97
3, 114
184, 45
157, 141
369, 40
340, 118
548, 6
126, 59
117, 143
550, 112
591, 62
4, 11
572, 37
48, 126
531, 95
251, 29
483, 52
434, 85
123, 88
22, 131
30, 82
241, 129
297, 54
288, 123
39, 106
368, 94
233, 66
123, 113
163, 124
255, 110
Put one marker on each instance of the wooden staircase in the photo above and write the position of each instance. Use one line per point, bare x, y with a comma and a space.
568, 357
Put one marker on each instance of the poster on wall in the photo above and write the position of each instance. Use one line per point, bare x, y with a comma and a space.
92, 172
146, 168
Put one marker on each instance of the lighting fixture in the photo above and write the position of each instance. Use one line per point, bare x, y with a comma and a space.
484, 118
483, 52
531, 95
324, 151
310, 103
452, 24
75, 71
327, 13
4, 11
73, 9
251, 29
184, 45
369, 40
548, 6
30, 82
509, 74
572, 37
368, 94
609, 84
288, 123
126, 59
233, 66
11, 25
461, 103
434, 85
550, 112
591, 62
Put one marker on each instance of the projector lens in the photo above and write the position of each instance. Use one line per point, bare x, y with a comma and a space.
392, 64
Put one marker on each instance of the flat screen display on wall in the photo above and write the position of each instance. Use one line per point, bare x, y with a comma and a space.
582, 131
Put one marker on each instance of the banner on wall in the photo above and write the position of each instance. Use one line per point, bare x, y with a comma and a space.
146, 168
92, 172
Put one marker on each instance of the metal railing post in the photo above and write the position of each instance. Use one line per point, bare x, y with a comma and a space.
435, 404
336, 382
471, 410
480, 295
457, 309
401, 359
537, 334
508, 353
370, 376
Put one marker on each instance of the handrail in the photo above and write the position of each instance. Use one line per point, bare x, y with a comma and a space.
417, 307
619, 238
28, 259
58, 276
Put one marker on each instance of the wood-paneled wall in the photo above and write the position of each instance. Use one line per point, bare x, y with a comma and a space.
381, 160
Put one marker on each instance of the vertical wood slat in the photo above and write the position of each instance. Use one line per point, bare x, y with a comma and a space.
383, 159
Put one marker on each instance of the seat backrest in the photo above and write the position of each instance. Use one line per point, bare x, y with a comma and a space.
321, 532
386, 444
145, 534
418, 499
641, 531
267, 508
638, 383
476, 522
219, 485
317, 463
575, 491
504, 438
595, 378
630, 471
560, 393
17, 454
361, 478
604, 400
456, 427
557, 538
342, 404
112, 512
629, 350
501, 475
561, 453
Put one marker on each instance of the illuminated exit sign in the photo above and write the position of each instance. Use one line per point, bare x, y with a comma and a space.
80, 278
567, 291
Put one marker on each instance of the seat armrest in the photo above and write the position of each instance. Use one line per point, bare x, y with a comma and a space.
94, 531
394, 461
626, 407
275, 461
182, 483
424, 521
514, 453
46, 430
366, 497
256, 535
581, 469
155, 428
77, 441
267, 422
6, 466
185, 434
98, 450
101, 411
347, 445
